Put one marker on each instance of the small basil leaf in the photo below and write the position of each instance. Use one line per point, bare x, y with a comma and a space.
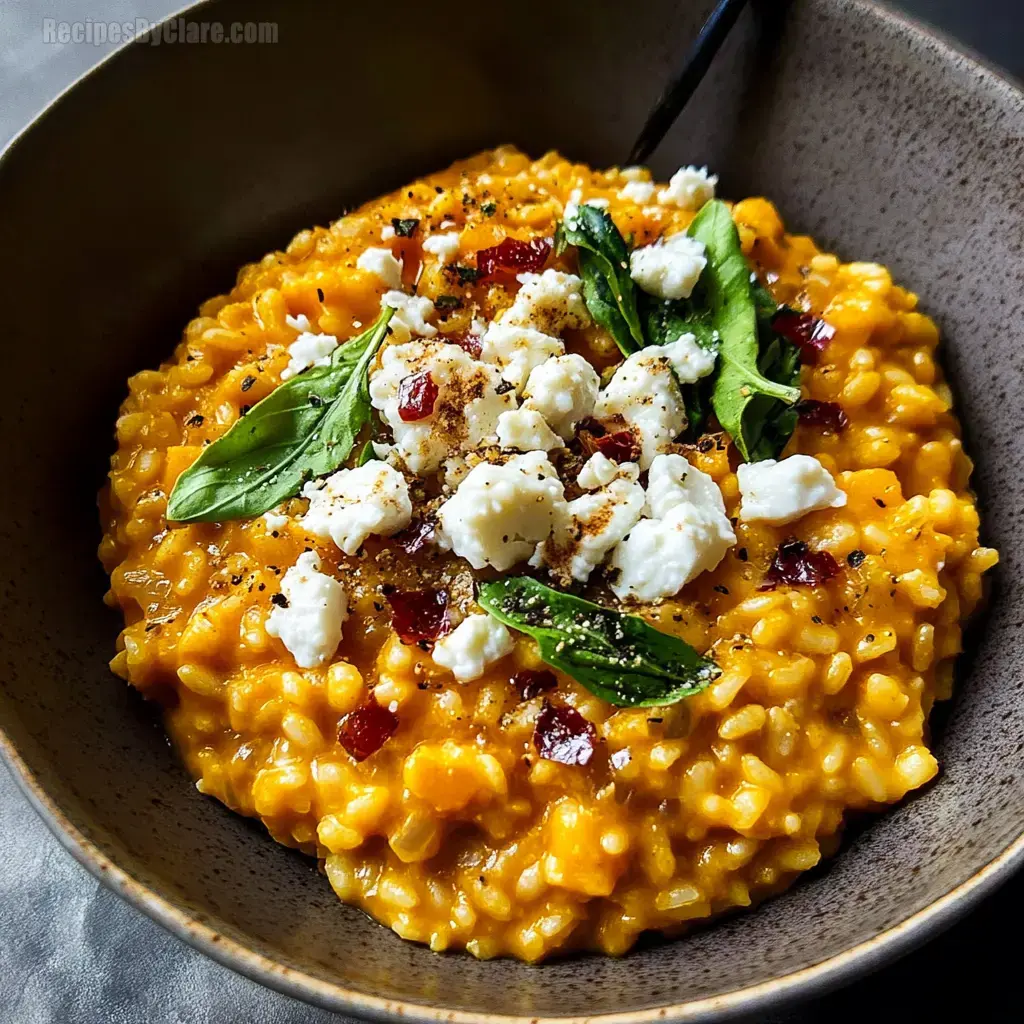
769, 423
608, 289
368, 454
304, 428
617, 657
738, 379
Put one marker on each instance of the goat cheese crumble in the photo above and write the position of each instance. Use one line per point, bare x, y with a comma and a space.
596, 522
527, 431
313, 609
353, 504
551, 302
563, 390
689, 188
644, 392
445, 246
410, 317
670, 268
475, 643
689, 534
639, 192
517, 350
782, 492
381, 263
466, 410
499, 514
307, 349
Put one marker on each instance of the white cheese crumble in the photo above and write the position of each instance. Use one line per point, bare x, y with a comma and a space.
381, 263
410, 317
310, 624
670, 268
782, 492
499, 514
308, 350
354, 504
550, 302
644, 391
516, 350
298, 323
474, 644
689, 188
275, 520
563, 390
445, 247
597, 471
596, 522
466, 411
672, 480
638, 191
527, 431
689, 533
387, 232
660, 556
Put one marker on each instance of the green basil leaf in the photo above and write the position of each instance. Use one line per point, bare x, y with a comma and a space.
617, 657
738, 379
368, 454
608, 289
769, 423
304, 428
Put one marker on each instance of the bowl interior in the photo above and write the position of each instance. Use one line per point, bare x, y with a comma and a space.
138, 195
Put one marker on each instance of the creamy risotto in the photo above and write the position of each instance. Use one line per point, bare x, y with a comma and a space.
553, 553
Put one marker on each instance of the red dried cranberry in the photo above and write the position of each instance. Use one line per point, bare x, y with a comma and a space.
562, 734
532, 682
467, 341
829, 416
796, 565
621, 446
364, 731
416, 536
808, 332
514, 256
420, 614
417, 394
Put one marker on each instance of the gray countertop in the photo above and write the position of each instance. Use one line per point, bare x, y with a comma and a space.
73, 953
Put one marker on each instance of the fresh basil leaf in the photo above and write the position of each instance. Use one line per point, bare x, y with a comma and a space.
769, 423
608, 289
617, 657
738, 379
304, 428
368, 454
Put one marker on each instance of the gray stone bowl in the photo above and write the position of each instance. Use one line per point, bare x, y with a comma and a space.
138, 193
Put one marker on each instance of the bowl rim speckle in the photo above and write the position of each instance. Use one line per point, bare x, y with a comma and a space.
829, 973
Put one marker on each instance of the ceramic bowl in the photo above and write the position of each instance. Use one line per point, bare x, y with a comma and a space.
137, 195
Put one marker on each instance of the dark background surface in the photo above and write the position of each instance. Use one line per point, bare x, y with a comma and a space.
72, 952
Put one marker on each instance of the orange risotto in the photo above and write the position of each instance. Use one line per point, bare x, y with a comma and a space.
573, 396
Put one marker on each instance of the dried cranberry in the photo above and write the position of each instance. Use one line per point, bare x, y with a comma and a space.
420, 614
364, 731
796, 565
417, 394
829, 416
534, 681
416, 536
621, 446
808, 332
513, 255
467, 341
562, 734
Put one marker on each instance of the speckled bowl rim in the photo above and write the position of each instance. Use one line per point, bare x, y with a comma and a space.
830, 973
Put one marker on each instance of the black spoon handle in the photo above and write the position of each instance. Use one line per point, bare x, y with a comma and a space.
686, 79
